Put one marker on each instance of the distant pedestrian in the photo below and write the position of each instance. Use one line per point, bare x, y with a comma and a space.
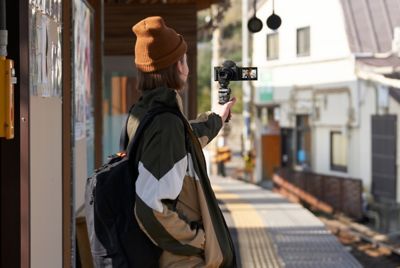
223, 155
175, 204
249, 166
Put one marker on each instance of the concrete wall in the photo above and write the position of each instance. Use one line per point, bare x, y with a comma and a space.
329, 51
368, 108
333, 115
331, 118
46, 182
325, 18
330, 60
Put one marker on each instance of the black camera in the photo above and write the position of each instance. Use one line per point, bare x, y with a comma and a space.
230, 72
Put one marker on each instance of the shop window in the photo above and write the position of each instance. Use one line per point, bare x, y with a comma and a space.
338, 151
303, 141
272, 46
303, 42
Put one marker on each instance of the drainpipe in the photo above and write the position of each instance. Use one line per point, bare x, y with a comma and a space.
293, 99
358, 105
376, 78
350, 118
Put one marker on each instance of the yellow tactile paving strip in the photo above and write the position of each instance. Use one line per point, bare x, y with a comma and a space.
255, 246
244, 215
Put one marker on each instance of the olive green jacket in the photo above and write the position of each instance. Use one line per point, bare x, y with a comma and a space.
175, 204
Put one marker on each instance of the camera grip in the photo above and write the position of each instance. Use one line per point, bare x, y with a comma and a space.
224, 95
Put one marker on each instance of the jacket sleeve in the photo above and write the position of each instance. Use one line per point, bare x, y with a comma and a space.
162, 169
206, 127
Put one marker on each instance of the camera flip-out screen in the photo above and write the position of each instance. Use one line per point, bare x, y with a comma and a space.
249, 73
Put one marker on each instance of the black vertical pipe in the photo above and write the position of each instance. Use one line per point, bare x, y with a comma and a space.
3, 15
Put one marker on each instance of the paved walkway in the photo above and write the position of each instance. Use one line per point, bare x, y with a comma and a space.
269, 231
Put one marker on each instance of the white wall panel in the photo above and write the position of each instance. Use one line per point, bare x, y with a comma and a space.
46, 182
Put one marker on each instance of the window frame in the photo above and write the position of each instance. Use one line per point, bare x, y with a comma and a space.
307, 51
333, 166
271, 35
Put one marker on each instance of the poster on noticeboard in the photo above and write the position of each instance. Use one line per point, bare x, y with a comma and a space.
45, 56
82, 69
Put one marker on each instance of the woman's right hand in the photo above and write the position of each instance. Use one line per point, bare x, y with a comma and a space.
223, 110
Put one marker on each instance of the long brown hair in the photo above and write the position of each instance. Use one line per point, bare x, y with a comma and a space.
167, 77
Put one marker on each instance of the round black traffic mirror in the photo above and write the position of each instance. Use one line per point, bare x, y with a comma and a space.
254, 25
274, 21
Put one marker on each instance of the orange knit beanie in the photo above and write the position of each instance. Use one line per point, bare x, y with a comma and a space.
157, 46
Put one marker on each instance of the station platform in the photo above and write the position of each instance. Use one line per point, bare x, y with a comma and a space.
270, 231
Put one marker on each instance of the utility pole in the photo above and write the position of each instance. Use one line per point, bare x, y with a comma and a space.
246, 84
218, 13
215, 50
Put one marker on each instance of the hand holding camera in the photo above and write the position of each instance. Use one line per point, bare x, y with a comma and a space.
230, 72
224, 110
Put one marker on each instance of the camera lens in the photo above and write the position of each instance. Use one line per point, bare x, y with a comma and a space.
225, 73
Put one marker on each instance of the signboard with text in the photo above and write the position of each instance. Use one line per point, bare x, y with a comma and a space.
264, 91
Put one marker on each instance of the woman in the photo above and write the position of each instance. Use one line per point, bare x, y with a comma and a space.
175, 205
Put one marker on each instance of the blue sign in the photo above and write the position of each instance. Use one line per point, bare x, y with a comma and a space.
301, 156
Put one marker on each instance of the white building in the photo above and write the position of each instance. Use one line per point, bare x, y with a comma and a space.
328, 94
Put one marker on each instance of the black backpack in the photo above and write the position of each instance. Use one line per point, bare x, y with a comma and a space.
115, 237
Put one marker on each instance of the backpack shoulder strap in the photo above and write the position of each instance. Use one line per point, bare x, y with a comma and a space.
123, 138
146, 120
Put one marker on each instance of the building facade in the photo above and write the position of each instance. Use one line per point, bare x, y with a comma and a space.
327, 96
